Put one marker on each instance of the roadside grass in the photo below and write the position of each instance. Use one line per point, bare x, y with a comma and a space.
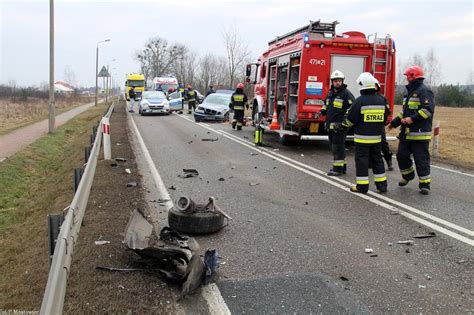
14, 115
456, 140
33, 183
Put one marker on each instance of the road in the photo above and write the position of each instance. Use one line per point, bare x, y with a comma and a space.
298, 239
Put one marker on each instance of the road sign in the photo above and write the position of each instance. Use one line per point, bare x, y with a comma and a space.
103, 72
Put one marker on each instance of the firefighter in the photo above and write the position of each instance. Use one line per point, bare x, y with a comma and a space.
191, 97
367, 115
238, 103
338, 100
386, 152
415, 120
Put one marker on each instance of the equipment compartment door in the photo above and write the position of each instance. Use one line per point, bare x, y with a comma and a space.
352, 67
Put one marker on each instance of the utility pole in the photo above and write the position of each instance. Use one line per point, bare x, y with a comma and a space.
97, 68
51, 115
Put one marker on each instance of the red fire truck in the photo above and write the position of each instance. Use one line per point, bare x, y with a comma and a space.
292, 76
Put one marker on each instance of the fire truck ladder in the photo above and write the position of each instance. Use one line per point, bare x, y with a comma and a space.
381, 59
313, 27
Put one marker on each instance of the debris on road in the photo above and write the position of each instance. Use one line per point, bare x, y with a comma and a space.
114, 165
343, 278
172, 187
189, 172
128, 171
160, 200
430, 234
407, 242
209, 139
368, 250
389, 243
189, 142
254, 184
101, 242
302, 154
407, 276
427, 276
421, 286
119, 159
374, 255
118, 269
253, 153
407, 250
132, 184
221, 179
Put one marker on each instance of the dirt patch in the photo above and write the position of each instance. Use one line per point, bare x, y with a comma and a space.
456, 135
108, 211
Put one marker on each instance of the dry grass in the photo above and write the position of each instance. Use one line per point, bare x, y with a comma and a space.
14, 115
456, 142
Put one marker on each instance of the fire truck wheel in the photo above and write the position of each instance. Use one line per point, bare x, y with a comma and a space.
196, 223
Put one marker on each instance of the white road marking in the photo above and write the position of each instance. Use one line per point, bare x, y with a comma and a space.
210, 293
322, 176
452, 171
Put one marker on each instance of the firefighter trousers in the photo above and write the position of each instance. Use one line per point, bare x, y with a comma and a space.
421, 155
365, 154
191, 105
337, 142
238, 119
386, 153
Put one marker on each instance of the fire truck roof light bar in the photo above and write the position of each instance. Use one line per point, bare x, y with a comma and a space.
313, 27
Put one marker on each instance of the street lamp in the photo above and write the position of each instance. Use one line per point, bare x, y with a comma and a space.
51, 114
97, 67
107, 89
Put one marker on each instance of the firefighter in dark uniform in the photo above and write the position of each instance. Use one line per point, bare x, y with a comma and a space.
416, 121
191, 97
238, 102
367, 115
337, 102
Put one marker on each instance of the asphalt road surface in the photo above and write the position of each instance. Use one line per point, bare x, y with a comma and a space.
298, 239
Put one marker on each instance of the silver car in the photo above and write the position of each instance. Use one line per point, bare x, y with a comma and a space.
154, 102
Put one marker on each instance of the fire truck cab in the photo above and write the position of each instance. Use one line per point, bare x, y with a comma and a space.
292, 77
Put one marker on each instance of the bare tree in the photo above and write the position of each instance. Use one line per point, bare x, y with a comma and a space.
432, 69
237, 52
157, 57
213, 71
69, 76
184, 66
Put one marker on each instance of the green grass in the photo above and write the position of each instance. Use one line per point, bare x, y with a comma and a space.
31, 180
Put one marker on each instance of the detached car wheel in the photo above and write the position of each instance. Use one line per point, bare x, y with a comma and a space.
196, 223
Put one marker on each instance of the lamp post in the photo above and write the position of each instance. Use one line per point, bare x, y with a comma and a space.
51, 115
97, 67
106, 88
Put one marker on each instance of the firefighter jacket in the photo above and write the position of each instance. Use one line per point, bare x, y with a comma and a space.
191, 95
418, 104
238, 101
182, 91
132, 94
367, 114
336, 105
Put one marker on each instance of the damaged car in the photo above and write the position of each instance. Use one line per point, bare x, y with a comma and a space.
215, 107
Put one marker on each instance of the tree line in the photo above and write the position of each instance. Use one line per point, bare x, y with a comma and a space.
161, 58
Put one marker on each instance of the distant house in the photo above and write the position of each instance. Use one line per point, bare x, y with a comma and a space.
63, 87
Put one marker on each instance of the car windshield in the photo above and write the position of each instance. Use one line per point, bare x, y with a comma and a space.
153, 94
218, 99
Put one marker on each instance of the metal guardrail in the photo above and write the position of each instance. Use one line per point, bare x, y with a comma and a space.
53, 299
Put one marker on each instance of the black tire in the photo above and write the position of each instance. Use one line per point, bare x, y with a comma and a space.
286, 140
196, 223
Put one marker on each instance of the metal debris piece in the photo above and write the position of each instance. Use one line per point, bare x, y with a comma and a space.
407, 276
160, 200
254, 184
221, 179
430, 234
343, 278
128, 171
132, 184
368, 250
114, 165
119, 159
172, 187
421, 286
407, 242
395, 212
101, 242
189, 142
189, 172
427, 276
306, 203
209, 139
407, 250
374, 255
118, 143
232, 168
389, 243
253, 153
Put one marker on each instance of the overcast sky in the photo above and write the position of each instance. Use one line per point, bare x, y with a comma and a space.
416, 26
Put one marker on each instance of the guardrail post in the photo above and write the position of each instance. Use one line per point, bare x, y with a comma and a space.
87, 153
77, 177
435, 143
106, 138
54, 226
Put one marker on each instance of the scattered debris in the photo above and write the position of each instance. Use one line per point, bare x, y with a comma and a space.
343, 278
430, 234
189, 142
254, 184
119, 159
245, 137
208, 132
389, 243
255, 167
172, 187
323, 192
121, 287
118, 143
302, 154
462, 261
276, 149
128, 171
211, 261
396, 212
118, 269
114, 165
407, 276
368, 250
209, 139
232, 168
374, 255
101, 242
253, 153
223, 263
187, 173
221, 179
421, 286
407, 250
306, 203
407, 242
427, 276
271, 250
132, 184
160, 200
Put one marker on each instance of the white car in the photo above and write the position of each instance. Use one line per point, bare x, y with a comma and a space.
153, 102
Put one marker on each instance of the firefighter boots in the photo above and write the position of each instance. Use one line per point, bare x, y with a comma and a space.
333, 172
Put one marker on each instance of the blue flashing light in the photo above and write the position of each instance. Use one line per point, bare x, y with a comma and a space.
305, 37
